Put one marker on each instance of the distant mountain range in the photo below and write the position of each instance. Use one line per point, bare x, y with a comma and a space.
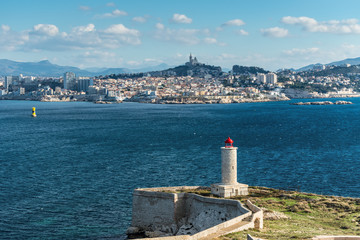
352, 61
46, 68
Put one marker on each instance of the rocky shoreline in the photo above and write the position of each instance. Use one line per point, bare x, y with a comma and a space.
323, 103
222, 101
174, 100
196, 100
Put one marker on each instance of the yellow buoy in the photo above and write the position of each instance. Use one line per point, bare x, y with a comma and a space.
33, 112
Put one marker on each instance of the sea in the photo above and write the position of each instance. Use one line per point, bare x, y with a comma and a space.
69, 173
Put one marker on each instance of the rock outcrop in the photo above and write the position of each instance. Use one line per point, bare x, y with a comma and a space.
323, 103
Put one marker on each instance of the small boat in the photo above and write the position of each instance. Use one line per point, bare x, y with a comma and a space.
33, 114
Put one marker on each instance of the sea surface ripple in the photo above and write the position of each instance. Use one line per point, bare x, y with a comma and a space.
70, 172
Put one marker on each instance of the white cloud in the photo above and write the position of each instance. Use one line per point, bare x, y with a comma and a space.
275, 32
5, 28
110, 4
226, 56
85, 8
183, 35
81, 29
180, 18
209, 40
119, 34
118, 12
11, 40
234, 22
242, 32
160, 26
299, 20
93, 58
139, 19
113, 14
48, 37
298, 51
187, 36
347, 26
46, 29
121, 29
348, 46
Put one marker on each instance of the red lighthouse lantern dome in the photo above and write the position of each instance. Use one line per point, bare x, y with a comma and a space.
229, 143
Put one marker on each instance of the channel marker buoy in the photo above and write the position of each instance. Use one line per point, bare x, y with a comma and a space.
33, 114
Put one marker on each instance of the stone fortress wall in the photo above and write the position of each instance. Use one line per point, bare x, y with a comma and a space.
172, 214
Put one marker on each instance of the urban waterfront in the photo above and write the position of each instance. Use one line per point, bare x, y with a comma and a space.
70, 172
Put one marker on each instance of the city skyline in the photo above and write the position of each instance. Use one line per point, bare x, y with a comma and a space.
272, 35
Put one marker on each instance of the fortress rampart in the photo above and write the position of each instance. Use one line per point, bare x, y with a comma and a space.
172, 213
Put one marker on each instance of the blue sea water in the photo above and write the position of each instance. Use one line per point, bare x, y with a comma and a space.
70, 172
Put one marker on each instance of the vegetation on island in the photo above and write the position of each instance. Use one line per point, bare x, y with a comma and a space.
298, 215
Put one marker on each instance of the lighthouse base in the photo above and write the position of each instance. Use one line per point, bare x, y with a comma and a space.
229, 190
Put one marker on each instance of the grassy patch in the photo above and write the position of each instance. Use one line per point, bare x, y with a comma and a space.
309, 215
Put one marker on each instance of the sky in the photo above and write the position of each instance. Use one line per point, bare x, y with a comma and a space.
140, 33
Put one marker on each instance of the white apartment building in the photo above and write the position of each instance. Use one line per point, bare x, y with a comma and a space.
261, 78
271, 78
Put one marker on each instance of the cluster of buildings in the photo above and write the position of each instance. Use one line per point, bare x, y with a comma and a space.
138, 89
336, 82
207, 88
33, 88
184, 89
80, 84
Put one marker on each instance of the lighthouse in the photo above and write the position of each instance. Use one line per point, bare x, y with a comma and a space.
229, 185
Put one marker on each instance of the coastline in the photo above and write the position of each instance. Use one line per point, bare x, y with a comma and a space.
193, 100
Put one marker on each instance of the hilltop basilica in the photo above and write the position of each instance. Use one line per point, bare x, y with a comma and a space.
192, 61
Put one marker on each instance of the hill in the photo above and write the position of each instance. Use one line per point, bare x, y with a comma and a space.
335, 71
42, 68
47, 69
308, 67
352, 61
247, 70
197, 70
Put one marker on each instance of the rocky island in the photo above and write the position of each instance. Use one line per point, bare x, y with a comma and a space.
323, 103
287, 215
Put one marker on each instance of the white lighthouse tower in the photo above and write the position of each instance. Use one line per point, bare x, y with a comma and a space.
229, 186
